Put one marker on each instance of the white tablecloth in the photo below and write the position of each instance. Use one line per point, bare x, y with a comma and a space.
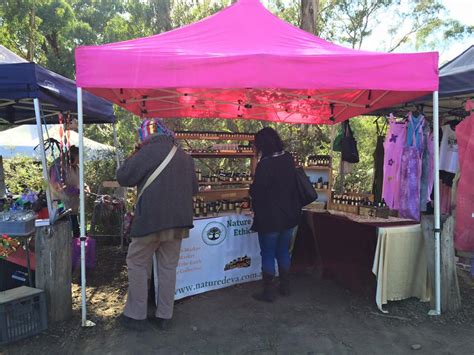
400, 265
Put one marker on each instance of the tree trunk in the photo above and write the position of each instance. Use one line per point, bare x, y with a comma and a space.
427, 225
309, 15
30, 53
450, 294
53, 249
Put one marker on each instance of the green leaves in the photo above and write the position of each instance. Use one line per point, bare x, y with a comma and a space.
21, 173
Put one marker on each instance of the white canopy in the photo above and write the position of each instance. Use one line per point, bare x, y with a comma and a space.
21, 141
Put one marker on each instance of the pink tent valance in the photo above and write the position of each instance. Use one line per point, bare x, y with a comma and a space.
244, 62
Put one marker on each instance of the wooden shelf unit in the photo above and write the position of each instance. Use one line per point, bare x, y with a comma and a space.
215, 136
222, 154
217, 183
231, 193
317, 168
314, 172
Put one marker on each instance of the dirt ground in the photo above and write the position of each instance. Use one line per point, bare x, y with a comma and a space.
319, 317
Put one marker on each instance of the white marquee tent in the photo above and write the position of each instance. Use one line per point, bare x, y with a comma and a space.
22, 140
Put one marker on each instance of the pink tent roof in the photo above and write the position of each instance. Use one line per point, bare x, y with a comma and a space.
244, 62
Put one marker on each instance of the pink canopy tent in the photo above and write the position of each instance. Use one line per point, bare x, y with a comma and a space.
244, 62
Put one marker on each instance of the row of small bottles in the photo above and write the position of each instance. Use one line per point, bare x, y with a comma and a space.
344, 199
204, 209
347, 199
220, 135
297, 159
320, 184
239, 149
319, 160
225, 176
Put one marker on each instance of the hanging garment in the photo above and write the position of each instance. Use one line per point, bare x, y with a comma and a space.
464, 229
410, 172
427, 169
448, 151
378, 164
445, 198
414, 133
393, 147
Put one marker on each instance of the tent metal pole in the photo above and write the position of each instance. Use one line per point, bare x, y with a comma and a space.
437, 221
82, 214
117, 153
43, 157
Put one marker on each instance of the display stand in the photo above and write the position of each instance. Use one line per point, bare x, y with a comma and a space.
316, 172
220, 189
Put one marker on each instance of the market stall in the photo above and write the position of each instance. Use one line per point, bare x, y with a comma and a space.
254, 66
31, 94
456, 80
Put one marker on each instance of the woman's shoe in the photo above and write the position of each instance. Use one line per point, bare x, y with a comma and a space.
269, 293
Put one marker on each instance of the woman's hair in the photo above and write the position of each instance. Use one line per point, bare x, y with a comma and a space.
74, 151
267, 141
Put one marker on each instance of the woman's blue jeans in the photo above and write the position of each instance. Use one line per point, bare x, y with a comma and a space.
275, 245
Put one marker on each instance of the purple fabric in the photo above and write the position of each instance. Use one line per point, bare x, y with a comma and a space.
394, 144
410, 173
410, 184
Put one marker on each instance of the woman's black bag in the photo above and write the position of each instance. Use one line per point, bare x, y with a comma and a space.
306, 191
350, 153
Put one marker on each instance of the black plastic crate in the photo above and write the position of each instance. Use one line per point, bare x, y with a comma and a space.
13, 275
22, 313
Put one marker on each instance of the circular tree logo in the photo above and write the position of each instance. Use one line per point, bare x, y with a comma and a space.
214, 233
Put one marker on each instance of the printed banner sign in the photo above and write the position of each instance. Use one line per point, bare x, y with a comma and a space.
219, 252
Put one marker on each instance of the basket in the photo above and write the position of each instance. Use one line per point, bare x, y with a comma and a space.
22, 313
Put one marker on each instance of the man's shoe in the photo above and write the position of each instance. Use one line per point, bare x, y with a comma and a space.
133, 324
161, 323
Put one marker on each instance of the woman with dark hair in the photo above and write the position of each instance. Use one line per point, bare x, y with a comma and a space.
276, 208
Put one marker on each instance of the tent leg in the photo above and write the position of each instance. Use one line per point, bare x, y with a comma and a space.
82, 219
437, 221
43, 157
117, 153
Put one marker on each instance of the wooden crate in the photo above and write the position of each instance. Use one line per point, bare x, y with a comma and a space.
370, 211
344, 208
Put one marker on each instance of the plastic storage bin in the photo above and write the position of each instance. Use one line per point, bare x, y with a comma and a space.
14, 228
22, 313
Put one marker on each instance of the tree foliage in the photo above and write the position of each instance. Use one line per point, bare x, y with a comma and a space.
48, 31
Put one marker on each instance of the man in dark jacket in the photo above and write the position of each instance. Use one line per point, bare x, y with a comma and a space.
163, 216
